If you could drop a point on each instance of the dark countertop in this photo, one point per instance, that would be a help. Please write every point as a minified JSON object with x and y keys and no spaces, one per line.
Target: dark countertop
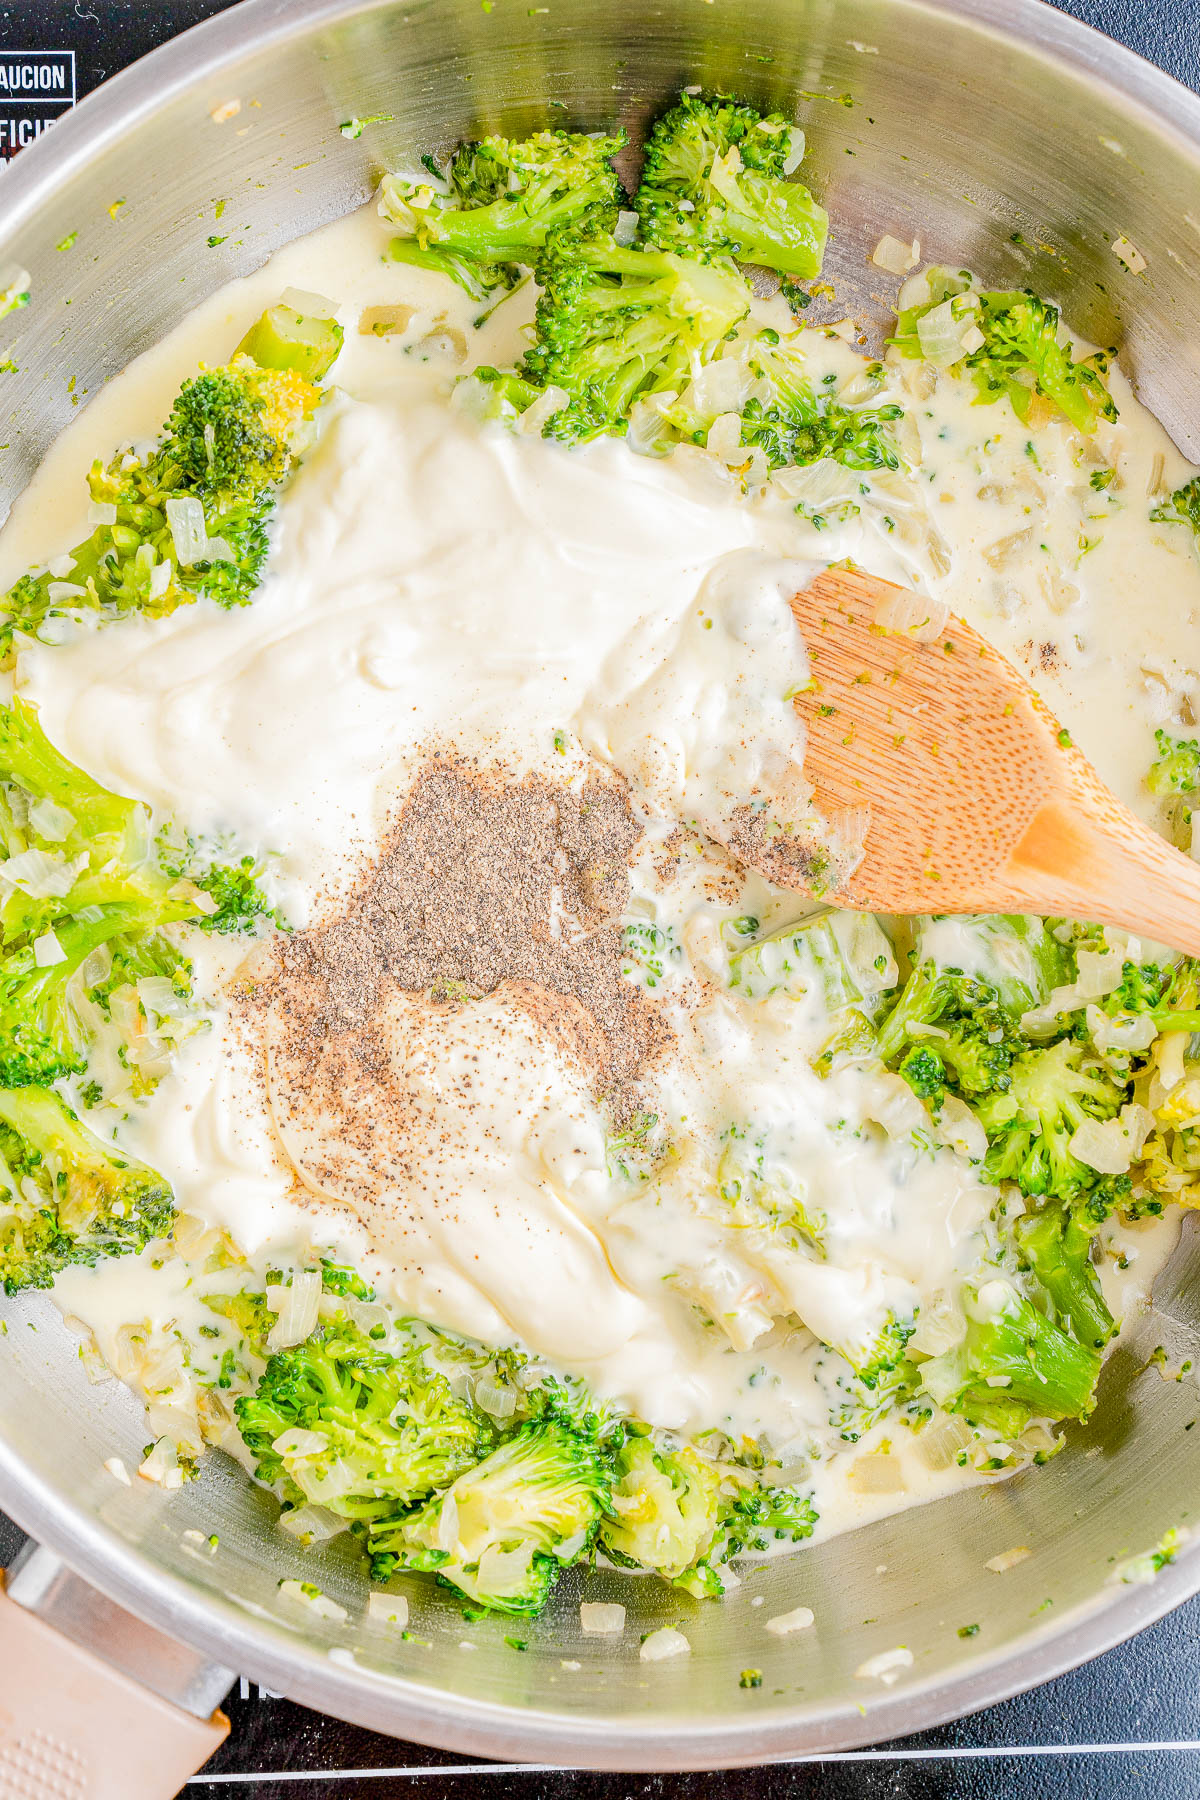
{"x":1125,"y":1727}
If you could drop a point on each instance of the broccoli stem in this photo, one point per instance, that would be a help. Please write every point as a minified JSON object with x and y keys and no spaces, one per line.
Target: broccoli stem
{"x":284,"y":338}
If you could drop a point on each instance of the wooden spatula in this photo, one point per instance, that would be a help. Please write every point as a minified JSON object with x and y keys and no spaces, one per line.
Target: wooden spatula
{"x":979,"y":801}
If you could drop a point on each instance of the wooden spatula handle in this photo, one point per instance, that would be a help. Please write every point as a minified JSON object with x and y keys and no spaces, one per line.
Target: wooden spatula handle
{"x":1098,"y":861}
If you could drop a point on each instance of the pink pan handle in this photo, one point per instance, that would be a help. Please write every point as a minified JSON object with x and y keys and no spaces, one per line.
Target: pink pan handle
{"x":74,"y":1728}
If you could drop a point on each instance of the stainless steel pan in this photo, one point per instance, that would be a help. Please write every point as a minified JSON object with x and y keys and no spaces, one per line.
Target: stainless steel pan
{"x":1001,"y":134}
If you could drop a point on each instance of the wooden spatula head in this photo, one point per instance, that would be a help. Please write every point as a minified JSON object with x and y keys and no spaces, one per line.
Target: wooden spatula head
{"x":978,"y":800}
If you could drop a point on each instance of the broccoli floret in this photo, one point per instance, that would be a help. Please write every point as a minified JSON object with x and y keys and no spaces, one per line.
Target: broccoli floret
{"x":502,"y":199}
{"x":616,"y":323}
{"x":802,"y":423}
{"x":40,"y":1038}
{"x":1009,"y":343}
{"x":70,"y":1198}
{"x":713,"y":184}
{"x":503,"y":1531}
{"x":1030,"y":1127}
{"x":346,"y":1283}
{"x":882,"y":1375}
{"x":667,"y":1509}
{"x":233,"y":888}
{"x":1183,"y":508}
{"x":249,"y":1314}
{"x":97,"y":841}
{"x":1014,"y":964}
{"x":241,"y":904}
{"x":346,"y":1424}
{"x":761,"y":1193}
{"x":843,"y":957}
{"x":94,"y":878}
{"x":30,"y":761}
{"x":762,"y":1516}
{"x":1176,"y":769}
{"x":190,"y":517}
{"x":883,"y":1364}
{"x":1056,"y":1244}
{"x":499,"y":393}
{"x":675,"y":1512}
{"x":973,"y":1058}
{"x":1039,"y":1369}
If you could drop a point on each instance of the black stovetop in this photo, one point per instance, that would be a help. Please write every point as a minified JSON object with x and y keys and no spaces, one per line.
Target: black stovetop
{"x":1126,"y":1727}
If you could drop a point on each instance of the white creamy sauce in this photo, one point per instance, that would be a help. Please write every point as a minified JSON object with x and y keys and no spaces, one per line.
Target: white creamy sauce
{"x":436,"y":582}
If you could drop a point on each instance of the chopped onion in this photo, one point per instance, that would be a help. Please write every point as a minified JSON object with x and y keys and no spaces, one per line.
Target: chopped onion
{"x":118,"y":1471}
{"x":1100,"y":971}
{"x":296,"y":1441}
{"x":799,"y":1619}
{"x":158,"y":995}
{"x":160,"y":578}
{"x":661,"y":1644}
{"x":102,"y":512}
{"x":942,"y":329}
{"x":721,"y":386}
{"x":446,"y":1536}
{"x":723,"y":176}
{"x":625,"y":229}
{"x":504,"y":1570}
{"x":911,"y":615}
{"x":1008,"y":1559}
{"x":1129,"y":254}
{"x":219,"y":549}
{"x":896,"y":256}
{"x":61,"y":567}
{"x":1127,"y":1032}
{"x":601,"y":1619}
{"x":548,"y":403}
{"x":312,"y":306}
{"x":47,"y":951}
{"x":499,"y":1402}
{"x":162,"y":1464}
{"x":368,"y":1315}
{"x":298,"y":1307}
{"x":59,"y":592}
{"x":302,"y":1593}
{"x":311,"y":1523}
{"x":54,"y":823}
{"x":958,"y":1127}
{"x":795,"y":150}
{"x":940,"y":1326}
{"x":725,"y":437}
{"x":387,"y":1609}
{"x":885,"y":1667}
{"x":189,"y":533}
{"x":326,"y":1485}
{"x":890,"y":1102}
{"x":878,"y":1473}
{"x":757,"y":470}
{"x":41,"y":874}
{"x":1110,"y":1145}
